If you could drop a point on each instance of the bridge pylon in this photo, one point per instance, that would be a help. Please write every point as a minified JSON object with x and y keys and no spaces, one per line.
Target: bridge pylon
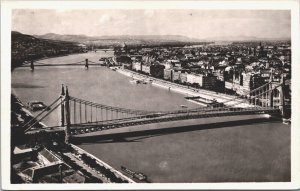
{"x":282,"y":100}
{"x":86,"y":65}
{"x":68,"y":121}
{"x":280,"y":87}
{"x":65,"y":113}
{"x":62,"y":106}
{"x":271,"y":93}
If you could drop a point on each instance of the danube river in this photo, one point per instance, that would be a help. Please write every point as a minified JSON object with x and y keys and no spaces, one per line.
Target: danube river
{"x":234,"y":149}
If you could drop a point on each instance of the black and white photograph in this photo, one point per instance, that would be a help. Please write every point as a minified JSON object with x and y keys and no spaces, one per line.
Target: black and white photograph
{"x":142,"y":94}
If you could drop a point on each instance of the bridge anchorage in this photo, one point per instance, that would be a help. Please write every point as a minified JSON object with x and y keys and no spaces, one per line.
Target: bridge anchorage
{"x":80,"y":116}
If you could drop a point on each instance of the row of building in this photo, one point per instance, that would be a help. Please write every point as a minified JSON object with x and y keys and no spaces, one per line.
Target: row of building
{"x":234,"y":68}
{"x":179,"y":75}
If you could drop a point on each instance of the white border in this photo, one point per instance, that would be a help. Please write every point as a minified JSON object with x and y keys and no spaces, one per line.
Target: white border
{"x":6,"y":8}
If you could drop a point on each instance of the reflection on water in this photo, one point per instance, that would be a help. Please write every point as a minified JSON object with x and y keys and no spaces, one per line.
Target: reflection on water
{"x":219,"y":152}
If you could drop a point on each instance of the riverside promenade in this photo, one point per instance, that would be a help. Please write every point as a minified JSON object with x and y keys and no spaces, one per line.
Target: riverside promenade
{"x":107,"y":166}
{"x":23,"y":113}
{"x":188,"y":91}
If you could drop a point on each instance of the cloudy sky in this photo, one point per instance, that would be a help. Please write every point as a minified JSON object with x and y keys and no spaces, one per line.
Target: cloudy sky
{"x":191,"y":23}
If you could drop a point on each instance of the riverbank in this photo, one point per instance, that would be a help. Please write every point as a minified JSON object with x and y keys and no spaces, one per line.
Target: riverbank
{"x":185,"y":90}
{"x":107,"y":166}
{"x":20,"y":116}
{"x":236,"y":150}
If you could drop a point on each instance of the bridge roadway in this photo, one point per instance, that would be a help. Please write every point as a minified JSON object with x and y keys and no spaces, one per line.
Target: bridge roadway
{"x":81,"y":129}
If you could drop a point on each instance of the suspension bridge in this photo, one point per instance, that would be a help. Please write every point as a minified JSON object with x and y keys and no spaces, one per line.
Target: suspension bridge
{"x":79,"y":116}
{"x":84,"y":63}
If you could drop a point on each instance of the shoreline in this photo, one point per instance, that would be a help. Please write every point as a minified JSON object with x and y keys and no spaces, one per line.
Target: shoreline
{"x":183,"y":89}
{"x":104,"y":163}
{"x":114,"y":170}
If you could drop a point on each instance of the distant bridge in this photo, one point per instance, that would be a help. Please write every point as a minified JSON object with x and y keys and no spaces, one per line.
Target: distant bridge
{"x":80,"y":116}
{"x":84,"y":63}
{"x":105,"y":50}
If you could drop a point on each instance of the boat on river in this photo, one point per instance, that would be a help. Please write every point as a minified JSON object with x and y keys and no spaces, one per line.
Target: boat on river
{"x":138,"y":175}
{"x":192,"y":97}
{"x":134,"y":81}
{"x":137,"y":81}
{"x":286,"y":121}
{"x":36,"y":105}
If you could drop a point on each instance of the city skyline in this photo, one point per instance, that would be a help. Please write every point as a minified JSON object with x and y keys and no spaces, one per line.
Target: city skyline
{"x":198,"y":24}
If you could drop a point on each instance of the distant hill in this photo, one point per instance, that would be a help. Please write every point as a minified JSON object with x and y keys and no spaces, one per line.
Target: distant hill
{"x":70,"y":38}
{"x":120,"y":39}
{"x":26,"y":47}
{"x":145,"y":39}
{"x":20,"y":36}
{"x":177,"y":38}
{"x":244,"y":38}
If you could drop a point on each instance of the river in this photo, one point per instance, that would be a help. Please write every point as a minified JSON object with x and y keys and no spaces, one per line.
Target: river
{"x":235,"y":149}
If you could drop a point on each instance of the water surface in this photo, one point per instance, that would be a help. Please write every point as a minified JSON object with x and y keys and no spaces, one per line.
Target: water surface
{"x":203,"y":150}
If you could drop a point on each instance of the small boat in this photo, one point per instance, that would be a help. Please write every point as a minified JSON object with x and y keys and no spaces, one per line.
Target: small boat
{"x":183,"y":106}
{"x":192,"y":97}
{"x":286,"y":121}
{"x":36,"y":105}
{"x":136,"y":81}
{"x":137,"y":175}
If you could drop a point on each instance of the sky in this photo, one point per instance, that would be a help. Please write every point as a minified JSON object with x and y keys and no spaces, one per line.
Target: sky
{"x":199,"y":24}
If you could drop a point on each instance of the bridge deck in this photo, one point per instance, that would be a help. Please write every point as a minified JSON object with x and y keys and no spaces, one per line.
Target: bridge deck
{"x":77,"y":129}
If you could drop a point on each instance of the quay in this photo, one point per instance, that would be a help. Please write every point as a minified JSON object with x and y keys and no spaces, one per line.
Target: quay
{"x":188,"y":91}
{"x":107,"y":166}
{"x":70,"y":158}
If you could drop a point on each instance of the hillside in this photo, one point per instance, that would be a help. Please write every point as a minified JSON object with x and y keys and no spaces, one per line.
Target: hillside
{"x":120,"y":39}
{"x":26,"y":47}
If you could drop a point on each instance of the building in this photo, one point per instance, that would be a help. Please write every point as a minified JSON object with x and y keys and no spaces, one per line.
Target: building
{"x":146,"y":68}
{"x":194,"y":78}
{"x":157,"y":70}
{"x":136,"y":58}
{"x":137,"y":66}
{"x":204,"y":81}
{"x":168,"y":74}
{"x":209,"y":82}
{"x":176,"y":76}
{"x":183,"y":78}
{"x":242,"y":84}
{"x":43,"y":166}
{"x":122,"y":59}
{"x":168,"y":65}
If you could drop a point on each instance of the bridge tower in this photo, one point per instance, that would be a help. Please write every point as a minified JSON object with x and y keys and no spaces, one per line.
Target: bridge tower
{"x":62,"y":106}
{"x":32,"y":65}
{"x":271,"y":93}
{"x":281,"y":90}
{"x":68,"y":121}
{"x":65,"y":112}
{"x":86,"y":64}
{"x":281,"y":93}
